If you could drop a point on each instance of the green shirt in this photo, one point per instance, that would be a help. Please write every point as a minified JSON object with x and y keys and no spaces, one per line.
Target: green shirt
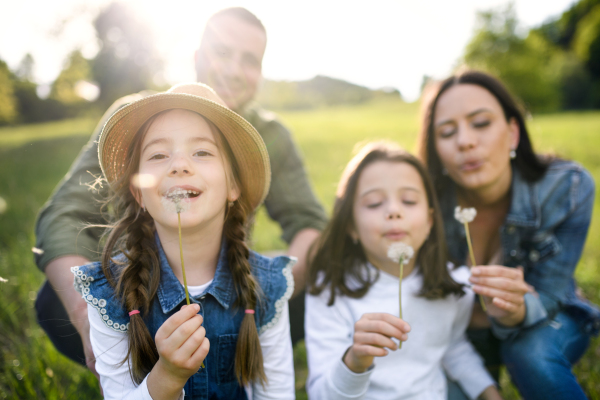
{"x":77,"y":200}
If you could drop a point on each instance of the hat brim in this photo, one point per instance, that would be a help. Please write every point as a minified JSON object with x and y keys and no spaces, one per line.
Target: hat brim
{"x":245,"y":142}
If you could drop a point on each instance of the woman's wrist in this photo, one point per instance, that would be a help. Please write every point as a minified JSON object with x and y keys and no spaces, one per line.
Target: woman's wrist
{"x":513,"y":319}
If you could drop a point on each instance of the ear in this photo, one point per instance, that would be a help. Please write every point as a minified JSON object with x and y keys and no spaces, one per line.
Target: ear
{"x":137,"y":195}
{"x":234,"y":192}
{"x":514,"y":131}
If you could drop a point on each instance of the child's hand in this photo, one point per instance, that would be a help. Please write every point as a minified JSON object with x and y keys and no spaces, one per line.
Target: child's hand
{"x":181,"y":343}
{"x":373,"y":332}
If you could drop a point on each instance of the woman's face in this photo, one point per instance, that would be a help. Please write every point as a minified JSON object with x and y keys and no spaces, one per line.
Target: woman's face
{"x":473,"y":138}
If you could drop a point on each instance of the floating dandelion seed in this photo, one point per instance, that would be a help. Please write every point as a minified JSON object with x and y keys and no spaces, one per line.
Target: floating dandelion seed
{"x":400,"y":253}
{"x":35,"y":250}
{"x":3,"y":205}
{"x":464,"y":216}
{"x":2,"y":280}
{"x":144,"y":181}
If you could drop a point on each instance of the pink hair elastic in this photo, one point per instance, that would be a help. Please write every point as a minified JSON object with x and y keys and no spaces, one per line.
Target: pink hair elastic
{"x":248,"y":311}
{"x":133,"y":312}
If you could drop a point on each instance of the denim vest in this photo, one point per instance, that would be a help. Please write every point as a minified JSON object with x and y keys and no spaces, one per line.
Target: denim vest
{"x":544,"y":231}
{"x":221,"y":319}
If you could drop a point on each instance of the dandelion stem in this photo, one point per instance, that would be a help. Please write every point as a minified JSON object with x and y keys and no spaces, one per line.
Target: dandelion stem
{"x":187,"y":295}
{"x":473,"y":263}
{"x":400,"y":292}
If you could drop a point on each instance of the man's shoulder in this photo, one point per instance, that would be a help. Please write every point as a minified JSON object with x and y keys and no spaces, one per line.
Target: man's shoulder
{"x":263,"y":120}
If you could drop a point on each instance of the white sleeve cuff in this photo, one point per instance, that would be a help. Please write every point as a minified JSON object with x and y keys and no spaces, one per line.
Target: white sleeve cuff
{"x":347,"y":383}
{"x":475,"y":382}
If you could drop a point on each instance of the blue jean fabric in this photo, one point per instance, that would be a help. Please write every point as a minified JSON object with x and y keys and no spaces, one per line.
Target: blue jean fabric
{"x":544,"y":232}
{"x":222,"y":315}
{"x":539,"y":360}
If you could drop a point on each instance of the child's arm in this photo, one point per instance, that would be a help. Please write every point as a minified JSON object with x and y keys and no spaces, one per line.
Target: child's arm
{"x":276,"y":346}
{"x":182,"y":347}
{"x":329,"y":334}
{"x":461,"y":361}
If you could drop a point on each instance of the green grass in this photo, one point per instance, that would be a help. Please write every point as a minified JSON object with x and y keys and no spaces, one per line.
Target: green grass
{"x":33,"y":158}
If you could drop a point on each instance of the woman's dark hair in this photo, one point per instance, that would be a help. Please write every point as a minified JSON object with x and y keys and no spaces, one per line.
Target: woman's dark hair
{"x":335,"y":257}
{"x":136,"y":278}
{"x":531,"y":166}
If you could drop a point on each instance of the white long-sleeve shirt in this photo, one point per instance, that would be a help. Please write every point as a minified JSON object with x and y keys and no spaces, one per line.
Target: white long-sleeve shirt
{"x":110,"y":347}
{"x":435,"y":343}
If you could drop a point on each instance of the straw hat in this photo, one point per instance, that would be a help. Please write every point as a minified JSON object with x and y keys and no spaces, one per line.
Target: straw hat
{"x":246,"y":144}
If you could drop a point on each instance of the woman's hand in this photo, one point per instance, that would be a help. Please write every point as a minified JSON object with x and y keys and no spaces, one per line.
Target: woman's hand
{"x":182,"y":346}
{"x":373,"y":332}
{"x":503,"y":290}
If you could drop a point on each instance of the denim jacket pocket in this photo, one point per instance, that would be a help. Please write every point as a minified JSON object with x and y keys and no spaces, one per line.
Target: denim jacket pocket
{"x":226,"y":359}
{"x":538,"y":251}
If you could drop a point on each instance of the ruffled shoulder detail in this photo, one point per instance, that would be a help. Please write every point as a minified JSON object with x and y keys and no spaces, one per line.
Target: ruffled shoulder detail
{"x":275,"y":278}
{"x":95,"y":289}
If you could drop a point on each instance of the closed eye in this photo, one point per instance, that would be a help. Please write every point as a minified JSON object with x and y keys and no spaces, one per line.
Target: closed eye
{"x":374,"y":205}
{"x":481,"y":124}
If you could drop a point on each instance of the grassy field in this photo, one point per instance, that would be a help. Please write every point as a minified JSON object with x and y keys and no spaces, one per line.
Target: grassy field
{"x":33,"y":158}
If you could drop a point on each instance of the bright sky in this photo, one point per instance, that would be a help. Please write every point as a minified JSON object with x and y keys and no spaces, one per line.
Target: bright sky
{"x":372,"y":43}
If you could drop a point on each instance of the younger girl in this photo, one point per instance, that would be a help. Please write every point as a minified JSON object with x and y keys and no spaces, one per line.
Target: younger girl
{"x":352,"y":304}
{"x":184,"y":167}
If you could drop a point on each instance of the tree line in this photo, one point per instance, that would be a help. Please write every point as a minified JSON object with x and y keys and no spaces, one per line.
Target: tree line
{"x":553,"y":67}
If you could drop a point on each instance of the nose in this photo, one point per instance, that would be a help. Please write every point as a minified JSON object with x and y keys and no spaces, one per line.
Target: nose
{"x":180,"y":166}
{"x":393,"y":211}
{"x":466,"y":137}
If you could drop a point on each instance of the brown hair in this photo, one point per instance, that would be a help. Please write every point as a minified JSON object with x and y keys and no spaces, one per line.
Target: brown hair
{"x":138,"y":274}
{"x":335,"y":255}
{"x":531,"y":166}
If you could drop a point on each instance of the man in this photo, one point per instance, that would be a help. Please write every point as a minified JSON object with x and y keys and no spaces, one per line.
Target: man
{"x":229,"y":59}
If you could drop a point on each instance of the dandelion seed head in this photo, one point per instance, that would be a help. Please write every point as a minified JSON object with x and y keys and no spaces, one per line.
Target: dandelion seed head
{"x":398,"y":251}
{"x":143,"y":181}
{"x":37,"y":251}
{"x":464,"y":215}
{"x":173,"y":201}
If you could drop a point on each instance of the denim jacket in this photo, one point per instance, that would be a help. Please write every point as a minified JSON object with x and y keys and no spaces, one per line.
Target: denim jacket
{"x":221,"y":319}
{"x":544,"y":231}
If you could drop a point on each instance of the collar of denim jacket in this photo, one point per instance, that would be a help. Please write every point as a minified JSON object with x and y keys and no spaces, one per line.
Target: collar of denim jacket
{"x":525,"y":210}
{"x":170,"y":290}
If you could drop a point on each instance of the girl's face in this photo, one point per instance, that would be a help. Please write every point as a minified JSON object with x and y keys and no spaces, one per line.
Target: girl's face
{"x":390,"y":205}
{"x":179,"y":154}
{"x":473,"y":138}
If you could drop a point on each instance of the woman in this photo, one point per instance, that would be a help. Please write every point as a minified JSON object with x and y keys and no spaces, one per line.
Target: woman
{"x":533,"y":214}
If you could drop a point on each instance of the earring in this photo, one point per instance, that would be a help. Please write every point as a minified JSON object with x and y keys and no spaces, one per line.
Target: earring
{"x":230,"y":204}
{"x":144,"y":208}
{"x":513,"y":154}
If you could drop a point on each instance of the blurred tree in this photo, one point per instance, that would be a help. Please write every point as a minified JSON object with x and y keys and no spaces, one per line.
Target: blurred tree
{"x":586,"y":44}
{"x":76,"y":70}
{"x":25,"y":69}
{"x":529,"y":66}
{"x":562,"y":30}
{"x":8,"y":101}
{"x":127,"y":60}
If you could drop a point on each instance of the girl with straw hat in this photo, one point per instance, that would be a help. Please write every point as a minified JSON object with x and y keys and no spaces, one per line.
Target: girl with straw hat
{"x":186,"y":172}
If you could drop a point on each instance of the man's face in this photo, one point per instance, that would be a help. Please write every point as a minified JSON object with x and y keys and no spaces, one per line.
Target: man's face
{"x":230,"y":59}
